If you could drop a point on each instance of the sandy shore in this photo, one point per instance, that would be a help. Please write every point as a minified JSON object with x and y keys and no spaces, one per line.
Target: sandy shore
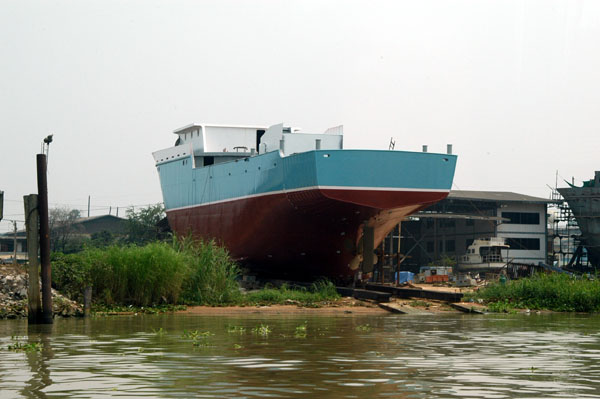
{"x":282,"y":310}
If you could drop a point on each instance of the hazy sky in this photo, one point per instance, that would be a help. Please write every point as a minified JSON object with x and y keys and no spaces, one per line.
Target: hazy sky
{"x":513,"y":85}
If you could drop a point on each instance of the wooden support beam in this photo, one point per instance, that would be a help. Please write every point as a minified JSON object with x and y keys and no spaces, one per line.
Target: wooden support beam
{"x":34,"y":307}
{"x":368,"y":249}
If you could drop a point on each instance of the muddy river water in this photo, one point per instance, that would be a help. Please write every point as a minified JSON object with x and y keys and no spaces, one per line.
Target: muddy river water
{"x":350,"y":356}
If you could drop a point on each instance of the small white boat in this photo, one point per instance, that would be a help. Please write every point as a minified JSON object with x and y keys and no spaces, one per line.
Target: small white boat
{"x":483,"y":255}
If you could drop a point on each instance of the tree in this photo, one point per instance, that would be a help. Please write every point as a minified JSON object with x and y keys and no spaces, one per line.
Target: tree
{"x":143,"y":225}
{"x":65,"y":233}
{"x":102,"y":239}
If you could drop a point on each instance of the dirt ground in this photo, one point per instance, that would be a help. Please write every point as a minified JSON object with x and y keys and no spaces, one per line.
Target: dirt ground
{"x":282,"y":310}
{"x":343,"y":306}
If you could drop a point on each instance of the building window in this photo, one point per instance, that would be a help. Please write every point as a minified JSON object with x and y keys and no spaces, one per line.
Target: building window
{"x":450,"y":246}
{"x":447,"y":223}
{"x":470,"y":222}
{"x":524,"y":243}
{"x":7,"y":246}
{"x":521,"y":217}
{"x":429,"y":246}
{"x":429,"y":223}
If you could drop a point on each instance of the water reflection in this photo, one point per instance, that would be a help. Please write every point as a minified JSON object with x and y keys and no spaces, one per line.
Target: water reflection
{"x":38,"y":361}
{"x":436,"y":356}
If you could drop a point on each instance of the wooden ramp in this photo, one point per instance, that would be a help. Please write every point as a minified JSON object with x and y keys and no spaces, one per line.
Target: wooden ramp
{"x":469,"y":307}
{"x":401,"y":309}
{"x":378,"y":296}
{"x":401,"y":292}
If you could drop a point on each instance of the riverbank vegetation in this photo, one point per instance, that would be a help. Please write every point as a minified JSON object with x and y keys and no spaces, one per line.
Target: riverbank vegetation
{"x":180,"y":272}
{"x":319,"y":292}
{"x":556,"y":292}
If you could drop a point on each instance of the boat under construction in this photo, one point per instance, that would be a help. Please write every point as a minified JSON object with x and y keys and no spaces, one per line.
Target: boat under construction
{"x":294,"y":203}
{"x":584,"y":202}
{"x":484,"y":255}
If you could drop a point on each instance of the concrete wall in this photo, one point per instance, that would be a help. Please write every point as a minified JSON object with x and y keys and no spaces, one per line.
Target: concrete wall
{"x":528,"y":231}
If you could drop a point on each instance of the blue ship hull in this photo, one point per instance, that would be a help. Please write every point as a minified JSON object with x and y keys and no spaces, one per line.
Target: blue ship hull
{"x":303,"y":213}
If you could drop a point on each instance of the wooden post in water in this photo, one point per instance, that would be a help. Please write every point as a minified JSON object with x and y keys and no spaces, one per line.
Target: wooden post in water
{"x":34,"y":308}
{"x":87,"y":301}
{"x":44,"y":239}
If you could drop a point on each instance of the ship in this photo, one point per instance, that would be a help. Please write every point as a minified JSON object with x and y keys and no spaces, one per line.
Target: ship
{"x":290,"y":203}
{"x":584,"y":202}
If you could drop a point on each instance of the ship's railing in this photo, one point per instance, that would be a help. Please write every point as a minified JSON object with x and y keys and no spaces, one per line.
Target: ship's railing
{"x":172,"y":153}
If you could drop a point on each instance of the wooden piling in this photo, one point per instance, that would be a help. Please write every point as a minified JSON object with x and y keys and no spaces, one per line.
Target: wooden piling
{"x":87,"y":301}
{"x":34,"y":310}
{"x":44,"y":239}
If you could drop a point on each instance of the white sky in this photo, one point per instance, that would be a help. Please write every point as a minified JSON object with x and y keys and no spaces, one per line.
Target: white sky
{"x":513,"y":85}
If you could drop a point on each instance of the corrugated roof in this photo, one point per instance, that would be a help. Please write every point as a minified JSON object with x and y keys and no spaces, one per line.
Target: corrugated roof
{"x":498,"y":196}
{"x":87,"y":219}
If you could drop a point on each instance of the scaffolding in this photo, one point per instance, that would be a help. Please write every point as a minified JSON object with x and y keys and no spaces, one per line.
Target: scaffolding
{"x":567,"y":249}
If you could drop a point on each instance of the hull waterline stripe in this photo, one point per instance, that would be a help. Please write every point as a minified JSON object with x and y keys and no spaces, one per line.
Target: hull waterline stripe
{"x":423,"y":190}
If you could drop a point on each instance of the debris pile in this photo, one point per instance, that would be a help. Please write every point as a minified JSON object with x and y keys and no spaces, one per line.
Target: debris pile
{"x":13,"y":296}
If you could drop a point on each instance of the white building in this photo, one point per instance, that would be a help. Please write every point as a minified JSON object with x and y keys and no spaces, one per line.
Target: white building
{"x":447,"y":228}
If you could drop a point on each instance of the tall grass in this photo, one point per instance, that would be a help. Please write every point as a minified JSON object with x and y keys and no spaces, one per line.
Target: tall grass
{"x":183,"y":271}
{"x":134,"y":275}
{"x":558,"y":292}
{"x":178,"y":272}
{"x":211,"y":278}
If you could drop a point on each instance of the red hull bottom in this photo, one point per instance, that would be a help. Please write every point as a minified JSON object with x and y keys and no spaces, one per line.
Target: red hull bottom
{"x":303,"y":234}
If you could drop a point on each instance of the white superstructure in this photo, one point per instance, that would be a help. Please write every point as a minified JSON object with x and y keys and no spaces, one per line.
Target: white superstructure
{"x":223,"y":143}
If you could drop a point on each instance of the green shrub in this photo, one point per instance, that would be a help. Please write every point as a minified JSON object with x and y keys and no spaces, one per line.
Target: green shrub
{"x":558,"y":292}
{"x":318,"y":292}
{"x":70,"y":275}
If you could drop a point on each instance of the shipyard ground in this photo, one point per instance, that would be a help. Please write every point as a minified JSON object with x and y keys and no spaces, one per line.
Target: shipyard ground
{"x":342,"y":306}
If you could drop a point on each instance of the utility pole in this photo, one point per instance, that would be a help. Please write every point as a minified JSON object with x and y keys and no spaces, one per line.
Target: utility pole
{"x":89,"y":199}
{"x":42,"y":180}
{"x":15,"y":242}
